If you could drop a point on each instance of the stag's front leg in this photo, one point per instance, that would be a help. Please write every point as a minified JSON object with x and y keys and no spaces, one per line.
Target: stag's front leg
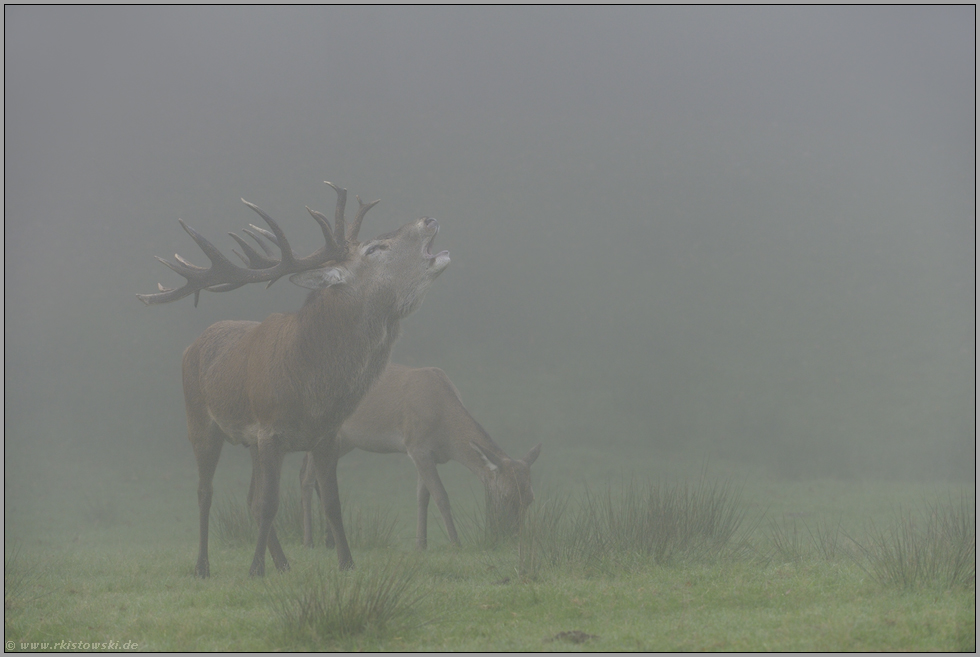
{"x":275,"y":548}
{"x":266,"y":498}
{"x":207,"y":445}
{"x":325,"y":456}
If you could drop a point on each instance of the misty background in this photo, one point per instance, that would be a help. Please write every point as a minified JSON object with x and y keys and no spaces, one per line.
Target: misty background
{"x":733,"y":233}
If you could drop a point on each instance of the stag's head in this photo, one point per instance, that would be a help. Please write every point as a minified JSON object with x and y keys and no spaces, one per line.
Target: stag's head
{"x":508,"y":488}
{"x":399,"y":264}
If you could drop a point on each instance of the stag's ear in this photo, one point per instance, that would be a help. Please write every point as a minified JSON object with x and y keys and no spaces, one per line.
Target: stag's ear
{"x":315,"y":279}
{"x":489,"y":461}
{"x":532,"y":455}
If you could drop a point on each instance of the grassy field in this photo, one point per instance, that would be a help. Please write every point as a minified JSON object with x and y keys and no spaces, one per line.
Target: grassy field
{"x":684,"y":557}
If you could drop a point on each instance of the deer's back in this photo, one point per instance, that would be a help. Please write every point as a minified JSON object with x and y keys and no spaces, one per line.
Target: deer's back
{"x":410,"y":409}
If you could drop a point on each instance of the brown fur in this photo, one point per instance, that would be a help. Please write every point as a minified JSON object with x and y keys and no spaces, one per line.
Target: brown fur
{"x":419,"y":412}
{"x":288,"y":383}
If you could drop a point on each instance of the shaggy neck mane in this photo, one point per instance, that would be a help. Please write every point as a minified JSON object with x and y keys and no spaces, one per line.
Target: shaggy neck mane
{"x":343,"y":345}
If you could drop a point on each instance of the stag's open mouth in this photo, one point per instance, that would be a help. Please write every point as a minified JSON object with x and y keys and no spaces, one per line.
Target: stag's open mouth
{"x":440,"y":259}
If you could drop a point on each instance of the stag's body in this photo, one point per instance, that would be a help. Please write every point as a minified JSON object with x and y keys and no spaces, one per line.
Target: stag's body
{"x":288,"y":383}
{"x":419,"y":412}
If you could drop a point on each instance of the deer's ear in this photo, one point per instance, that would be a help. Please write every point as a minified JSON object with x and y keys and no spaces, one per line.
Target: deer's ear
{"x":315,"y":279}
{"x":532,"y":455}
{"x":487,"y":460}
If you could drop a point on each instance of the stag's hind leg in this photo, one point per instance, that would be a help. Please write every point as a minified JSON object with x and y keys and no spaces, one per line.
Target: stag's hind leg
{"x":275,"y":548}
{"x":325,"y":456}
{"x":207,"y":443}
{"x":267,"y":468}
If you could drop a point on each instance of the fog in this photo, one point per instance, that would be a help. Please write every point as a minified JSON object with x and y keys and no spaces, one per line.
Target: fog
{"x":741,"y":234}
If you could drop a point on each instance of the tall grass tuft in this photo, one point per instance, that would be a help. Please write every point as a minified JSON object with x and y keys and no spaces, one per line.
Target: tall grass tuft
{"x":665,"y":522}
{"x":335,"y":604}
{"x":795,"y":545}
{"x":937,"y":550}
{"x":658,"y":523}
{"x":232,"y":523}
{"x":234,"y":526}
{"x":369,"y":529}
{"x":787,"y":544}
{"x":19,"y":577}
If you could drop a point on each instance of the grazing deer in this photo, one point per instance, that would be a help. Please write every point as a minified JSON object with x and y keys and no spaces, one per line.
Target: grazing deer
{"x":288,"y":383}
{"x":419,"y":412}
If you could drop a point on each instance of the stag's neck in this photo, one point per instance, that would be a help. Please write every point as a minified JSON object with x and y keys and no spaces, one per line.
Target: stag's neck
{"x":343,"y":345}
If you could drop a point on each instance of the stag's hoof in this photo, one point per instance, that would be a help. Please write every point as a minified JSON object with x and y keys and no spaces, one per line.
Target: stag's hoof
{"x":203,"y":570}
{"x":282,"y":567}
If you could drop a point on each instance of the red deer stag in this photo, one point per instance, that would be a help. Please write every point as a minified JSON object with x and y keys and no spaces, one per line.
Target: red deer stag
{"x":419,"y":412}
{"x":288,"y":383}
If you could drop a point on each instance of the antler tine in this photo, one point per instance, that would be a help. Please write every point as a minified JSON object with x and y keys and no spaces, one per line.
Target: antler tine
{"x":286,"y":252}
{"x":340,"y":231}
{"x":193,"y":273}
{"x":257,"y":234}
{"x":362,"y":210}
{"x":223,"y":275}
{"x":198,"y":278}
{"x":328,"y":238}
{"x":253,"y":259}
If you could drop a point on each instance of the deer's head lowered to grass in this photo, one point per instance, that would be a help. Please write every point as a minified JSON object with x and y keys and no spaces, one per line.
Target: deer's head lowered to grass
{"x":288,"y":383}
{"x":507,"y":483}
{"x":419,"y":412}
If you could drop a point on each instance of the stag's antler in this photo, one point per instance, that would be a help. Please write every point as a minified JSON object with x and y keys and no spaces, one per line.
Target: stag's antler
{"x":223,"y":276}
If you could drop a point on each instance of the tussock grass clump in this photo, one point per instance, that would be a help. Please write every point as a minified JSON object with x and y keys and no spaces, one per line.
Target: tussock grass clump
{"x":794,"y":545}
{"x":232,"y":523}
{"x":657,"y":523}
{"x":234,"y":526}
{"x":663,"y":522}
{"x":19,"y":577}
{"x":369,"y":529}
{"x":335,"y":604}
{"x":937,"y":550}
{"x":289,"y":518}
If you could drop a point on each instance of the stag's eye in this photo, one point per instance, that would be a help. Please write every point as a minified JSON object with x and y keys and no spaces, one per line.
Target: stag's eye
{"x":375,"y":247}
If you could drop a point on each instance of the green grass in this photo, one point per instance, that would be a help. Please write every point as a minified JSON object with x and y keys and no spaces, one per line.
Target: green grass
{"x":677,"y":560}
{"x":937,"y":548}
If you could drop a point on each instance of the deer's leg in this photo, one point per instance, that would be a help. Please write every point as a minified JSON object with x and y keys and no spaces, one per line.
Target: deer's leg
{"x":265,"y":500}
{"x":421,"y":531}
{"x":207,"y":445}
{"x":307,"y":484}
{"x":430,"y":478}
{"x":325,"y":456}
{"x":275,"y":548}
